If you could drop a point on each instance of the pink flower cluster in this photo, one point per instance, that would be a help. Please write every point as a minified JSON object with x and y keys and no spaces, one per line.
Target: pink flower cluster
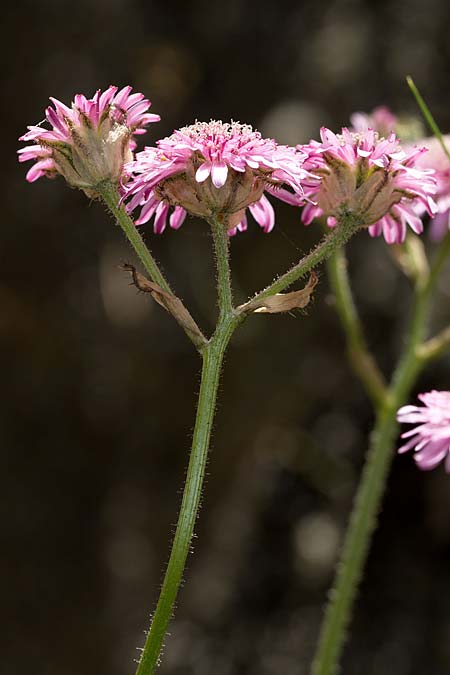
{"x":221,"y":170}
{"x":370,"y":177}
{"x":91,"y":140}
{"x":431,"y":438}
{"x":215,"y":169}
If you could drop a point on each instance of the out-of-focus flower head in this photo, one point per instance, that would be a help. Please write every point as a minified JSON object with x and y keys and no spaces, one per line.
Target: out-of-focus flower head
{"x":430,"y":439}
{"x":381,"y":119}
{"x":370,"y":177}
{"x":410,"y":131}
{"x":215,"y":169}
{"x":436,"y":159}
{"x":90,"y":141}
{"x":408,"y":128}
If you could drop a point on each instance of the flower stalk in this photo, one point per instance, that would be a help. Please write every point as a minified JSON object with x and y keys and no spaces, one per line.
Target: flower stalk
{"x":212,"y":355}
{"x":222,"y":253}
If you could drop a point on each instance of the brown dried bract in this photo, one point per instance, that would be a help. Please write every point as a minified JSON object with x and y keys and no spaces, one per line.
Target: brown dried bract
{"x":283,"y":302}
{"x":171,"y":304}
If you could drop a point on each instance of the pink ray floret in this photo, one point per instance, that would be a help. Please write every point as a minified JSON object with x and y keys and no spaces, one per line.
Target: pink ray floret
{"x":430,"y":439}
{"x":372,"y":178}
{"x":100,"y":128}
{"x":215,"y":169}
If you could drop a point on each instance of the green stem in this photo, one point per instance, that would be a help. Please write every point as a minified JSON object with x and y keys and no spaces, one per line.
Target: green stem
{"x":111,"y":197}
{"x":222,"y":253}
{"x":213,"y":355}
{"x":370,"y":492}
{"x":360,"y":356}
{"x":354,"y":553}
{"x":436,"y":346}
{"x":338,"y":236}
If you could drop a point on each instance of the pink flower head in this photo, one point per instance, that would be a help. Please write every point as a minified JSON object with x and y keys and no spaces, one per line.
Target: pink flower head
{"x":214,"y":169}
{"x":89,"y":142}
{"x":381,"y":119}
{"x":436,"y":159}
{"x":431,"y":438}
{"x":371,"y":178}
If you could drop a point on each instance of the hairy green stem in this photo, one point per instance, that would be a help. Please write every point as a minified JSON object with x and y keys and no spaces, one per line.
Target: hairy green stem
{"x":370,"y":492}
{"x":360,"y":357}
{"x":213,"y":355}
{"x":222,"y":252}
{"x":110,"y":195}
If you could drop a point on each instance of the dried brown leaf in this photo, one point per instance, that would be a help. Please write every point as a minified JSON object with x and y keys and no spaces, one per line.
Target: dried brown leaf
{"x":171,"y":304}
{"x":285,"y":302}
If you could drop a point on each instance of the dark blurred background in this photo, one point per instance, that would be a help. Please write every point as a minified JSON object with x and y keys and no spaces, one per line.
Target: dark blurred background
{"x":99,"y":384}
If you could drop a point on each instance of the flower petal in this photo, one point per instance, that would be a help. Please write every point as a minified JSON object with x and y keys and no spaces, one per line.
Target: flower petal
{"x":219,"y":173}
{"x":262,"y":211}
{"x":203,"y":172}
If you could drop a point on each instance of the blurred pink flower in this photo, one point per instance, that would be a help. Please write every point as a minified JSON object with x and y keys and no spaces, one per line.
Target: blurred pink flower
{"x":370,"y":177}
{"x":381,"y":119}
{"x":90,"y":141}
{"x":215,"y":169}
{"x":431,"y":438}
{"x":436,"y":159}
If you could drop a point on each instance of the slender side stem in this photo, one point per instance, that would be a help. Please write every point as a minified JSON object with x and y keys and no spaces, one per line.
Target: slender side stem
{"x":436,"y":346}
{"x":361,"y":358}
{"x":213,"y":355}
{"x":111,"y":197}
{"x":339,"y":236}
{"x":370,"y":492}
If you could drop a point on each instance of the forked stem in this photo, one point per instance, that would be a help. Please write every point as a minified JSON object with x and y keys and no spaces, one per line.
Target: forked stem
{"x":212,"y":355}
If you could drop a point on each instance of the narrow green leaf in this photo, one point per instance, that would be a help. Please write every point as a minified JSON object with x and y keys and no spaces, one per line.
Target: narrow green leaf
{"x":427,"y":114}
